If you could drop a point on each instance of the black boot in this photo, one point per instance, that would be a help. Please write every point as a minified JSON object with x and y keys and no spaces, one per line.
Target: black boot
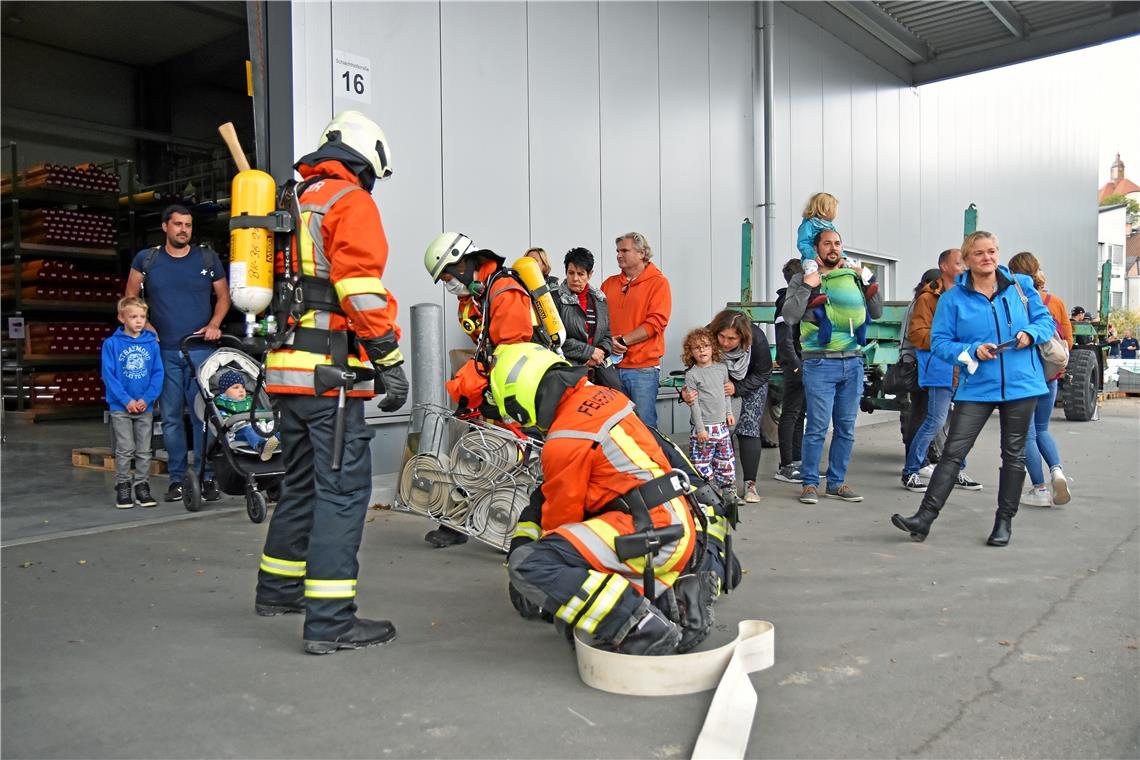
{"x":273,"y":609}
{"x":695,"y":594}
{"x":917,"y":525}
{"x":653,"y":634}
{"x":443,"y":537}
{"x":1003,"y":529}
{"x":363,"y":633}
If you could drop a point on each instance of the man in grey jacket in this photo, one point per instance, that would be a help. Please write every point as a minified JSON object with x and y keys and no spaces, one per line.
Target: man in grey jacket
{"x":832,"y":307}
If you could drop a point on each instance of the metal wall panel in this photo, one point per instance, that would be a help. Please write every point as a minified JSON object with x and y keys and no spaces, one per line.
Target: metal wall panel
{"x":565,"y":139}
{"x":631,"y":164}
{"x":684,"y":249}
{"x":485,"y":123}
{"x":732,"y":156}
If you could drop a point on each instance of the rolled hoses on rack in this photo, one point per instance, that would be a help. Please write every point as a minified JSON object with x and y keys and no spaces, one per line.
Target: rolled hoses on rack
{"x":493,"y":513}
{"x":426,"y":484}
{"x":479,"y":458}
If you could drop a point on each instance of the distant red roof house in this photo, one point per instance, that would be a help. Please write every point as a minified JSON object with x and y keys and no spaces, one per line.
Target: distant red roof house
{"x":1117,"y":183}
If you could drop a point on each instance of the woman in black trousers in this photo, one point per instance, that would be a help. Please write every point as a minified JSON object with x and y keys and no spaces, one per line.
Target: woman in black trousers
{"x":988,"y":326}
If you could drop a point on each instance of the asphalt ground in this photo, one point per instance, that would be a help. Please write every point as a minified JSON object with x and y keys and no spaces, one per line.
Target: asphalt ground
{"x":132,"y":634}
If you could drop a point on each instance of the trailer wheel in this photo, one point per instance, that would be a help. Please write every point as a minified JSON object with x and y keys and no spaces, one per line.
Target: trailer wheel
{"x":1081,"y":386}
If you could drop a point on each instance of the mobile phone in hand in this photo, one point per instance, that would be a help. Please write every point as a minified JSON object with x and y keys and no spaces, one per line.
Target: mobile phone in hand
{"x":1007,"y":345}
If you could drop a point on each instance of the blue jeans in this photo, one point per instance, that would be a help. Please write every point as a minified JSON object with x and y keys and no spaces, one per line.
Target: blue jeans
{"x":1039,"y":443}
{"x":832,"y":389}
{"x":641,"y":387}
{"x":937,"y":409}
{"x":179,"y":389}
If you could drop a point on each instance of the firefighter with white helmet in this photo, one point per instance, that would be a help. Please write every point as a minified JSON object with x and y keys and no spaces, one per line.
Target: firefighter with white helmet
{"x":343,"y":348}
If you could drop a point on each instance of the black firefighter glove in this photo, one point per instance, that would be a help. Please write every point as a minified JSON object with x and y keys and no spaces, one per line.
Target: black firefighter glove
{"x":387,"y":359}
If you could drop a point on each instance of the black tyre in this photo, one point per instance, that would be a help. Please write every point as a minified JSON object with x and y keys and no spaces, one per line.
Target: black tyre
{"x":191,"y":491}
{"x":1081,"y":386}
{"x":256,"y":506}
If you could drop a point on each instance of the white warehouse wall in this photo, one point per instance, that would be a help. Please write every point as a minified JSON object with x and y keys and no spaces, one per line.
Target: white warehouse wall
{"x":552,"y":124}
{"x":568,"y":123}
{"x":1019,"y":142}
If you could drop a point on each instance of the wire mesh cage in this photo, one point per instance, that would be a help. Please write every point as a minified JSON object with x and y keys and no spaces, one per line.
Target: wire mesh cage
{"x":467,"y":474}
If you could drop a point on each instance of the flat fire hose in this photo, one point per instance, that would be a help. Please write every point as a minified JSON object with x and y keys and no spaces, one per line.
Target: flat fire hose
{"x":728,"y":721}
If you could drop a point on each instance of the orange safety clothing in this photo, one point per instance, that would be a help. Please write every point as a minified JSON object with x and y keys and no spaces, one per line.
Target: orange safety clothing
{"x":597,"y":450}
{"x":511,"y":320}
{"x":339,"y":238}
{"x":645,"y":301}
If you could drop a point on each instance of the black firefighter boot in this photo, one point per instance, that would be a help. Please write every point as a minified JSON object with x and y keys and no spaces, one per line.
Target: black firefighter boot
{"x":363,"y":633}
{"x":917,"y":525}
{"x":652,"y":634}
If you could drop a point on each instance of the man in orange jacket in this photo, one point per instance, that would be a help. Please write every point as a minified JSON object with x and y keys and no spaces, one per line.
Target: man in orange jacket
{"x":494,"y":310}
{"x":345,"y":336}
{"x":640,"y":305}
{"x":609,"y":500}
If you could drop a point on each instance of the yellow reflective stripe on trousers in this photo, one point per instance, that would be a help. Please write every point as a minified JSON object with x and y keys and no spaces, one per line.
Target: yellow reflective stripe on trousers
{"x":287,"y":567}
{"x":569,"y":611}
{"x":603,"y":605}
{"x":530,"y":530}
{"x":339,"y":589}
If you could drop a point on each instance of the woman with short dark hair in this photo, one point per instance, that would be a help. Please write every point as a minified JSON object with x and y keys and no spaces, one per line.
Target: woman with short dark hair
{"x":586,"y":317}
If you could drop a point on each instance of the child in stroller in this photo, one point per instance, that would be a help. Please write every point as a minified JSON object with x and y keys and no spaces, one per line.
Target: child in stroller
{"x":233,"y":398}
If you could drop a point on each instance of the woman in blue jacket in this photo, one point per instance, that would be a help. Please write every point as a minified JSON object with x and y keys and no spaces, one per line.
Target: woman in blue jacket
{"x":982,"y":327}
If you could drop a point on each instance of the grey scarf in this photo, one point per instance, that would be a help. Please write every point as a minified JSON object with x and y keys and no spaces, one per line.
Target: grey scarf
{"x":737,"y":360}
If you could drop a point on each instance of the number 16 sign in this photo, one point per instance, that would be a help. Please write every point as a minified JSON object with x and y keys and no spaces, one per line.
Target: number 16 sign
{"x":352,"y":76}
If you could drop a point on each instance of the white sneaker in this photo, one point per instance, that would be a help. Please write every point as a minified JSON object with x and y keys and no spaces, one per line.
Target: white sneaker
{"x":268,"y":448}
{"x":1061,"y":493}
{"x":1037,"y":497}
{"x":926,"y":471}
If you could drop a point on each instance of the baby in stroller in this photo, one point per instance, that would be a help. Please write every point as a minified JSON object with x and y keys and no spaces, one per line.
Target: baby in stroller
{"x":232,"y":398}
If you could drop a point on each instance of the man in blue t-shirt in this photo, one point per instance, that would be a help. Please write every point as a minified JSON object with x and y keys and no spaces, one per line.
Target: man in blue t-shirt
{"x":177,"y":280}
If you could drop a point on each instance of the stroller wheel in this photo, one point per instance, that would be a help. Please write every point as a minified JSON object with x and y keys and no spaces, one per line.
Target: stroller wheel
{"x":255,"y":506}
{"x":191,"y":491}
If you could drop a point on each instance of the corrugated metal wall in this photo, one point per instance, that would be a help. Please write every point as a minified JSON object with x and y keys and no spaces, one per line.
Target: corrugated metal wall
{"x":568,"y":123}
{"x":1019,"y":142}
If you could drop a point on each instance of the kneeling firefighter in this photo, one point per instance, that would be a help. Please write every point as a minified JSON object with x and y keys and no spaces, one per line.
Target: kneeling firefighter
{"x":496,"y":308}
{"x":619,"y":547}
{"x":341,"y":339}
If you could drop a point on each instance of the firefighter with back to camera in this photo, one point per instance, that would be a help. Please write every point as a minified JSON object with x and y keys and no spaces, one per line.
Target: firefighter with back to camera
{"x":344,"y":343}
{"x":609,"y":501}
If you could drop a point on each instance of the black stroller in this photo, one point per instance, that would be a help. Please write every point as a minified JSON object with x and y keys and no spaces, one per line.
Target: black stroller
{"x":238,"y":468}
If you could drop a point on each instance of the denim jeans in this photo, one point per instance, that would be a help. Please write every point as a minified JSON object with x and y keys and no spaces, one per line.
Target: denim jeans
{"x":179,"y":389}
{"x":937,"y":409}
{"x":641,"y":387}
{"x":132,"y":442}
{"x":832,"y":389}
{"x":1039,"y":443}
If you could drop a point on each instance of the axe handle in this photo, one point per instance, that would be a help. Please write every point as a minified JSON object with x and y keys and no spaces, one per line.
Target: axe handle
{"x":229,"y":134}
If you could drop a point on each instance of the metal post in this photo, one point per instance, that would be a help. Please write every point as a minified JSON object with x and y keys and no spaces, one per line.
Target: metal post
{"x":428,"y":377}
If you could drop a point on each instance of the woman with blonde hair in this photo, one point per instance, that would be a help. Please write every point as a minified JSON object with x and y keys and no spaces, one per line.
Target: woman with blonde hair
{"x":543,"y":259}
{"x":1040,"y":443}
{"x":982,"y":327}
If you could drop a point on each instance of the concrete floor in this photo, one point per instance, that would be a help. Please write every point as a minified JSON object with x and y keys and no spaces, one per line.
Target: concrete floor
{"x":131,"y":633}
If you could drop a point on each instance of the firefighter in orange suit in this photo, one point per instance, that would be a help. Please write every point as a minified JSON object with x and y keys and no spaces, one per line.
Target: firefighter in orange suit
{"x":608,"y":491}
{"x":345,"y":345}
{"x":495,"y":309}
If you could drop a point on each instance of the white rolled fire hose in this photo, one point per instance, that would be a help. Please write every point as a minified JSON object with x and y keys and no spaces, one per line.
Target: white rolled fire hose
{"x":728,"y":722}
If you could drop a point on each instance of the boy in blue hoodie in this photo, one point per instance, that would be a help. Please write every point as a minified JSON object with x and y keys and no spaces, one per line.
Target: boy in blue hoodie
{"x":132,"y":376}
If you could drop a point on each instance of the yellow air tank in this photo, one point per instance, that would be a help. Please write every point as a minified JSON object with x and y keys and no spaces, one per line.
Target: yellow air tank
{"x":531,"y":275}
{"x":254,"y":193}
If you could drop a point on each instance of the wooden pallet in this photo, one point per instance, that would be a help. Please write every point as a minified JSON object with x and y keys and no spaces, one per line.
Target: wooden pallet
{"x":102,"y":458}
